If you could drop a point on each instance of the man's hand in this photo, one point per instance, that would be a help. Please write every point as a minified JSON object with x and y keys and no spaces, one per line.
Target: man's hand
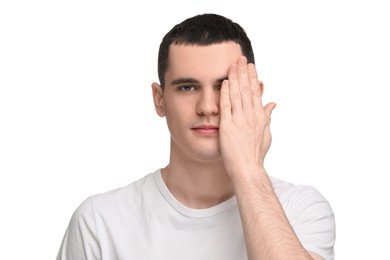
{"x":245,"y":138}
{"x":244,"y":129}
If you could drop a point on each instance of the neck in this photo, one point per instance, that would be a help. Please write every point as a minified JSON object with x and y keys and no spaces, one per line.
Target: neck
{"x":196,"y":183}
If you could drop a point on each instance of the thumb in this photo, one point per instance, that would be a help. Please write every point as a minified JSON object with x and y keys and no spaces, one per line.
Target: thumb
{"x":268,"y":109}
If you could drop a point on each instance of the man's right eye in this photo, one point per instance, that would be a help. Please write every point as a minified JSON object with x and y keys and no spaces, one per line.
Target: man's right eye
{"x":186,"y":88}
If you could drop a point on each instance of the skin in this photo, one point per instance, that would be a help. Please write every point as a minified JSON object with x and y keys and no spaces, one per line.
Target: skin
{"x":220,"y":135}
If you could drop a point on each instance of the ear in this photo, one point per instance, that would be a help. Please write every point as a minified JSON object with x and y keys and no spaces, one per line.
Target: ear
{"x":261,"y":86}
{"x":158,"y":94}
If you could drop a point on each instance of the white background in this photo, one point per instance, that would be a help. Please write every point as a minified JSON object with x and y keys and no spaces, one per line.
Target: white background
{"x":77,"y":118}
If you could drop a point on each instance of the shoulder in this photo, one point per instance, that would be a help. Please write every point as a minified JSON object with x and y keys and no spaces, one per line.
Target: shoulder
{"x":303,"y":203}
{"x":310,"y":215}
{"x":121,"y":197}
{"x":114,"y":199}
{"x":293,"y":196}
{"x":105,"y":206}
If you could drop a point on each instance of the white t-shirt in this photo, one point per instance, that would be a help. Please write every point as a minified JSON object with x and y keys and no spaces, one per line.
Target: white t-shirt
{"x":144,"y":221}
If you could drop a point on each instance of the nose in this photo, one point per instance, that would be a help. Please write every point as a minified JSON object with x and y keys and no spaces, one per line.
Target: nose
{"x":208,"y":102}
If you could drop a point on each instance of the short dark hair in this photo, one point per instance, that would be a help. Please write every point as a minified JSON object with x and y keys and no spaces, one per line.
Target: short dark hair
{"x":203,"y":29}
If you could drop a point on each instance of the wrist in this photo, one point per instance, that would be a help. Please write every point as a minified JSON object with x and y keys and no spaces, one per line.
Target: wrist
{"x":250,"y":176}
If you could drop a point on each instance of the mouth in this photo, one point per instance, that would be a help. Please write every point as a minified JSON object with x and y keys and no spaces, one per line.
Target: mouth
{"x":206,"y":130}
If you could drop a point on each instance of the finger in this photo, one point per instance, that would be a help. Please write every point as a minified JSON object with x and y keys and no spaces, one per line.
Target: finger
{"x":256,"y":86}
{"x":267,"y":137}
{"x":244,"y":84}
{"x":268,"y":111}
{"x":225,"y":105}
{"x":234,"y":90}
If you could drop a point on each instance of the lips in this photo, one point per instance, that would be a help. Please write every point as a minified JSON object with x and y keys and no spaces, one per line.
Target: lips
{"x":206,"y":130}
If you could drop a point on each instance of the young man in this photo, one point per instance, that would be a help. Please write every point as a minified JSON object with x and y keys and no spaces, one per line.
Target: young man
{"x":214,"y":200}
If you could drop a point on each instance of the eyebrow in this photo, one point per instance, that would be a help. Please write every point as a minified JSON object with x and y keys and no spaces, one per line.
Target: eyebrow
{"x":193,"y":81}
{"x":184,"y":81}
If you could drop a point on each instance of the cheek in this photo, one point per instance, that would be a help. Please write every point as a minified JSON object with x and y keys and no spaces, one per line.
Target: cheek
{"x":179,"y":107}
{"x":178,"y":113}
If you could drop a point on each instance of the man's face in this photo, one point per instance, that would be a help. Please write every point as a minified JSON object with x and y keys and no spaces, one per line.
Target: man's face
{"x":190,"y":100}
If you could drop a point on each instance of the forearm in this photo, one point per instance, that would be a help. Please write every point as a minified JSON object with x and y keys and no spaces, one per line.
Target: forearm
{"x":268,"y":234}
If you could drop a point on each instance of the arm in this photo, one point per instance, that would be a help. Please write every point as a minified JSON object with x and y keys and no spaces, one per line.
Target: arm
{"x":245,"y":139}
{"x":268,"y":233}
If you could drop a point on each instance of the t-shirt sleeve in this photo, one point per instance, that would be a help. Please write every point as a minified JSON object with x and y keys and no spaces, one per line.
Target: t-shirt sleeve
{"x":312,"y":219}
{"x":80,"y":241}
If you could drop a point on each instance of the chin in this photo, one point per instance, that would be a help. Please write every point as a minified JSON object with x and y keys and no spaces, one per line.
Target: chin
{"x":208,"y":155}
